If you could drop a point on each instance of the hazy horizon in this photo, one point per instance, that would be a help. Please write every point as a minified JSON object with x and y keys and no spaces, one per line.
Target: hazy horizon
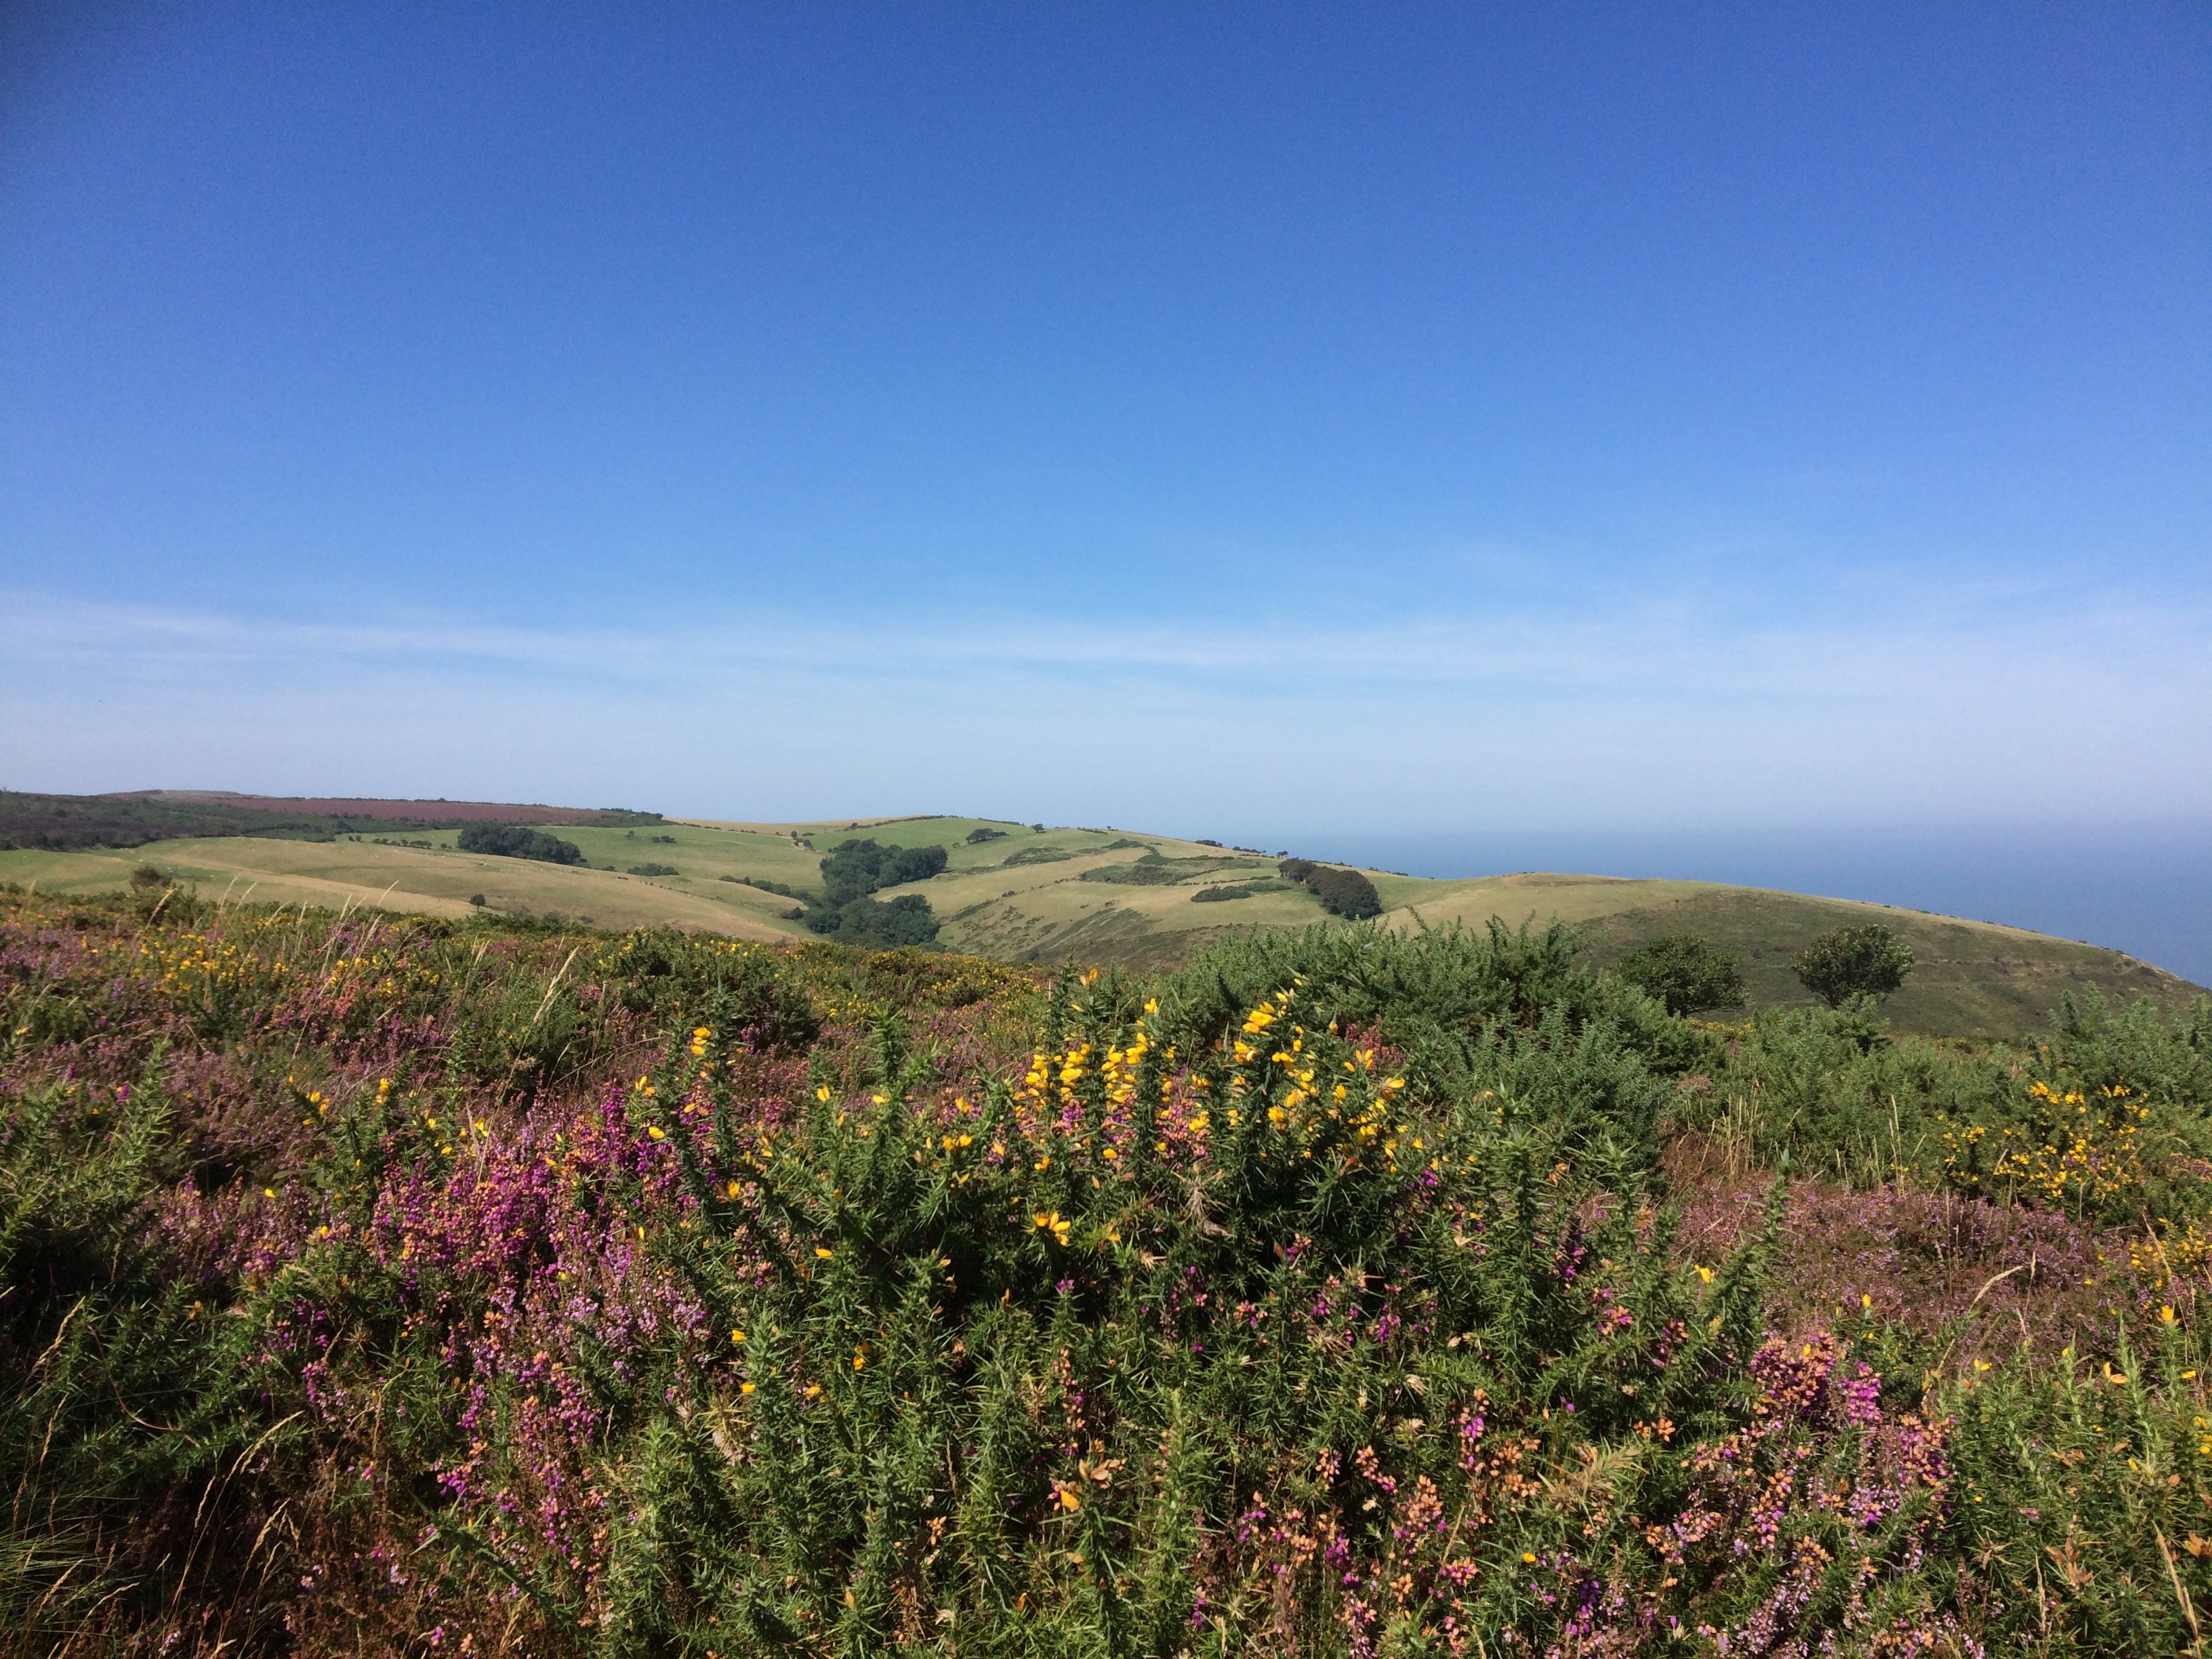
{"x":2144,"y":889}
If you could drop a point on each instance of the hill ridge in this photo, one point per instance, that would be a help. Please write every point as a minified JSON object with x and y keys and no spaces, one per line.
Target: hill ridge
{"x":1025,"y":894}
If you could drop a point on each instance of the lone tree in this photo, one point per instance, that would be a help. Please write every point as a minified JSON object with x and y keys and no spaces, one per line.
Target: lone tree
{"x":1685,"y":972}
{"x":1868,"y":961}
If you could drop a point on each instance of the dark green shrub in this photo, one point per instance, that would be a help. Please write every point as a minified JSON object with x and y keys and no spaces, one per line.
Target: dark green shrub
{"x":886,"y":924}
{"x":1220,"y":895}
{"x":913,"y":863}
{"x":982,"y":833}
{"x":855,"y":869}
{"x":1867,"y":961}
{"x":115,"y":1394}
{"x":654,"y":869}
{"x":679,"y":980}
{"x":1685,"y":972}
{"x":518,"y":842}
{"x":1344,"y":893}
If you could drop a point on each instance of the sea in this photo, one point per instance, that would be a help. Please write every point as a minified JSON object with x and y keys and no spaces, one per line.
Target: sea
{"x":2146,"y":892}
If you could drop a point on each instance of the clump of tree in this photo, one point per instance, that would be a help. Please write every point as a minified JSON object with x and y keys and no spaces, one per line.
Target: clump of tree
{"x":1222,"y":895}
{"x":1684,"y":972}
{"x":884,"y":924}
{"x":855,"y":869}
{"x":1342,"y":892}
{"x":982,"y":833}
{"x":654,"y":870}
{"x":516,"y":841}
{"x":1867,"y":961}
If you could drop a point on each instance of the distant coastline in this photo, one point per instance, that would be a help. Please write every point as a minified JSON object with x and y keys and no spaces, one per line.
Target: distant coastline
{"x":2147,"y":891}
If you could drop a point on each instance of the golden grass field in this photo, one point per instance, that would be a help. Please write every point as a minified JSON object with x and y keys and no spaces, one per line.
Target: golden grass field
{"x":1972,"y":978}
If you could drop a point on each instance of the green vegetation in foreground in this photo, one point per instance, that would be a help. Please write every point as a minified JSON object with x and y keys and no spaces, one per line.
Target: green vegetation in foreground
{"x":1104,"y":896}
{"x":379,"y":1283}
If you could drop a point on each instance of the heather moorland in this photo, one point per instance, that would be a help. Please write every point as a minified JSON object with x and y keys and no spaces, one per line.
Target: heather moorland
{"x":384,"y":1283}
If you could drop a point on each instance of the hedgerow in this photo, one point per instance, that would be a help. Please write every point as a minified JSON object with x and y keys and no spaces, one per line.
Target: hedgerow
{"x":387,"y":1284}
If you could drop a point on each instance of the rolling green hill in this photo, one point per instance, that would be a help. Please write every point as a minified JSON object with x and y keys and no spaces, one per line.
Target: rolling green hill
{"x":1100,"y":895}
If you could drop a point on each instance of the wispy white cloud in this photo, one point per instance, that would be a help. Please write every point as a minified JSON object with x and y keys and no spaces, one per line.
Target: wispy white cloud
{"x":1655,"y":705}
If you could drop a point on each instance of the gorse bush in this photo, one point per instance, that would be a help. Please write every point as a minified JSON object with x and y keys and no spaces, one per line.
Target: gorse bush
{"x":2104,"y":1120}
{"x":385,"y":1284}
{"x":1685,"y":972}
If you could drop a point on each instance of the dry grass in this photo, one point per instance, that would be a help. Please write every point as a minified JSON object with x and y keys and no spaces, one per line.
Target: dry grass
{"x":1974,"y":979}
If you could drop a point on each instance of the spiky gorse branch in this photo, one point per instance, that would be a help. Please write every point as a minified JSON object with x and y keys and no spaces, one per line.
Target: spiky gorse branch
{"x":661,"y":1295}
{"x":935,"y":1344}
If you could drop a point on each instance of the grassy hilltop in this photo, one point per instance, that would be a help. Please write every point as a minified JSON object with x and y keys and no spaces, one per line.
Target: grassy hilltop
{"x":1095,"y":895}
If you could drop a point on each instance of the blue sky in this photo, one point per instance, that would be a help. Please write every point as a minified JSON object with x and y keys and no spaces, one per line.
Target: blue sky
{"x":1428,"y":419}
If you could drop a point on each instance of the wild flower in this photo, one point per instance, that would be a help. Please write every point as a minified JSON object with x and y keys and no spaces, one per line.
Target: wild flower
{"x":591,"y":1293}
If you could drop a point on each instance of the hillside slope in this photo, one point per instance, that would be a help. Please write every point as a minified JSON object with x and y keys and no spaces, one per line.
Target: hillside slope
{"x":136,"y":817}
{"x":1099,"y":895}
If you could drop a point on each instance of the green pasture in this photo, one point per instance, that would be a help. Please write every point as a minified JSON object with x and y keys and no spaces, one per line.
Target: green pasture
{"x":1969,"y":978}
{"x":1108,"y":896}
